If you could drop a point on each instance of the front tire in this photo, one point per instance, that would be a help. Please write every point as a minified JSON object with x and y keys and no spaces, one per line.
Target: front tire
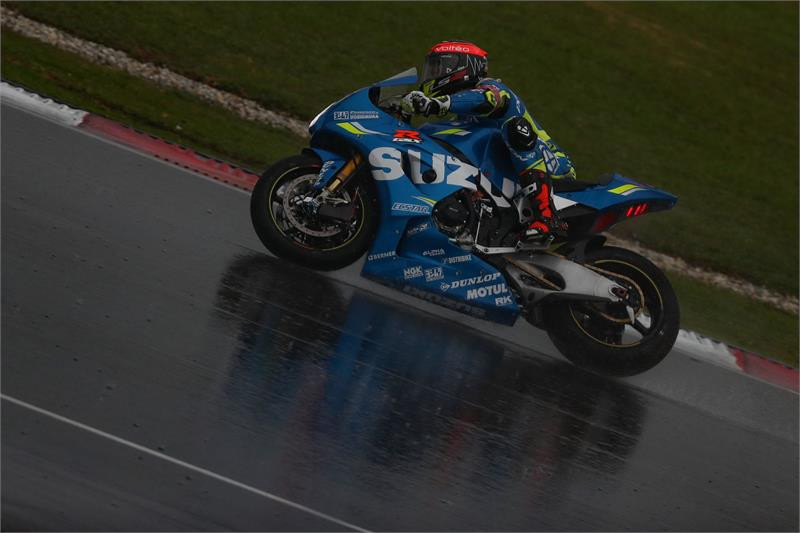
{"x":288,"y":232}
{"x":601,"y":337}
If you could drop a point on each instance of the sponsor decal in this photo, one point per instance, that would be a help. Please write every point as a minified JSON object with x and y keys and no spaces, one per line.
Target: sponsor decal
{"x":418,"y":229}
{"x":434,"y":252}
{"x":444,"y":301}
{"x":357,"y":129}
{"x":355,"y":115}
{"x":407,"y":136}
{"x":325,"y":168}
{"x":489,"y":290}
{"x":503,"y":300}
{"x":387,"y":165}
{"x":468,"y":282}
{"x":412,"y":272}
{"x":434,"y":274}
{"x":411,"y":208}
{"x":458,"y":259}
{"x":463,"y":48}
{"x":381,"y":255}
{"x":550,"y":160}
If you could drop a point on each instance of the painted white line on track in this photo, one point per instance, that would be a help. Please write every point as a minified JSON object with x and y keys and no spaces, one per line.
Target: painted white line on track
{"x":178,"y":462}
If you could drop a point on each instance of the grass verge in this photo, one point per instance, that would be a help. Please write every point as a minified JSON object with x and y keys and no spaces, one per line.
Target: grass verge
{"x":700,"y":98}
{"x":217,"y":132}
{"x":166,"y":113}
{"x":737,"y":320}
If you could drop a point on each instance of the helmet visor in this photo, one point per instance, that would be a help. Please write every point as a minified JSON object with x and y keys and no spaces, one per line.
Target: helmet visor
{"x":437,"y":65}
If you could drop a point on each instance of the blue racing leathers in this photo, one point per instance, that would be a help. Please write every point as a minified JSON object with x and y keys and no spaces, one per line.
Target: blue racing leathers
{"x":493,"y":100}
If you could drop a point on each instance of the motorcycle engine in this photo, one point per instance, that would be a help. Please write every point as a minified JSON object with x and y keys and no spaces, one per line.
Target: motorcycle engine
{"x":455,"y":215}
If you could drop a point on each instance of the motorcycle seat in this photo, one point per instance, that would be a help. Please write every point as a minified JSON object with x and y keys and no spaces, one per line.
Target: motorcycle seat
{"x":567,"y":185}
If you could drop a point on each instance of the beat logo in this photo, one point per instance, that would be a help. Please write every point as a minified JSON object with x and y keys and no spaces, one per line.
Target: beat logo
{"x":489,"y":290}
{"x":433,"y":274}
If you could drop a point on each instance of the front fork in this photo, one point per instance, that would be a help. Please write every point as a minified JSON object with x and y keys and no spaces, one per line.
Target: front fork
{"x":325,"y":202}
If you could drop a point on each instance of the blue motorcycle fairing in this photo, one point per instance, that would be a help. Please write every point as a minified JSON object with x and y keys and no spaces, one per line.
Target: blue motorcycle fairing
{"x":619,"y":192}
{"x":413,"y":169}
{"x":362,"y":108}
{"x":332,"y":163}
{"x":478,"y":143}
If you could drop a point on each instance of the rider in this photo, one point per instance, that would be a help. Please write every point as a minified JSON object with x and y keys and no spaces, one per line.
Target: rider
{"x":454,"y":81}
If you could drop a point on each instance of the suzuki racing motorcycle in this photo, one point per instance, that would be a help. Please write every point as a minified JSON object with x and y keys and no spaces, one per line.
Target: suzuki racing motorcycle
{"x":439,"y":214}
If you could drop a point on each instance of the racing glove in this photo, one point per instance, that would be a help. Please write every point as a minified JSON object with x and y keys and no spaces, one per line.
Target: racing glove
{"x":417,"y":102}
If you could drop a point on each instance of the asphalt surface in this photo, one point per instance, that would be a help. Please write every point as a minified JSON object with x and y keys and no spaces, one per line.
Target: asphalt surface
{"x":139,"y":308}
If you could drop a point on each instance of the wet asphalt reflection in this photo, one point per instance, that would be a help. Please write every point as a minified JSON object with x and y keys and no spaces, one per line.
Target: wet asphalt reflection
{"x":134,"y":301}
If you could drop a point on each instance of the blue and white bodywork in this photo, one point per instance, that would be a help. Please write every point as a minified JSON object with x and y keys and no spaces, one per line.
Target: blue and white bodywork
{"x":415,"y":168}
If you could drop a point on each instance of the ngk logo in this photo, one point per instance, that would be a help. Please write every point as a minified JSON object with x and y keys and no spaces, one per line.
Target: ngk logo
{"x":412,"y":272}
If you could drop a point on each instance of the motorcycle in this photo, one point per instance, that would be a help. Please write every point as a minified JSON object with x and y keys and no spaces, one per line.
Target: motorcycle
{"x":435,"y":211}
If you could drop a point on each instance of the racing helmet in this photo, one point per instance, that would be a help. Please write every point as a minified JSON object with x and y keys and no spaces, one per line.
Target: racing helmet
{"x":452,"y":66}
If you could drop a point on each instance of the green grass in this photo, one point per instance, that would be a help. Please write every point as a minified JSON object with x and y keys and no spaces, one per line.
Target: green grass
{"x":737,"y":320}
{"x":168,"y":114}
{"x":106,"y":91}
{"x":698,"y":98}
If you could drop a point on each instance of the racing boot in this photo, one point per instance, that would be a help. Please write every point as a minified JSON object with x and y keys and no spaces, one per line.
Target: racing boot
{"x":545,"y":225}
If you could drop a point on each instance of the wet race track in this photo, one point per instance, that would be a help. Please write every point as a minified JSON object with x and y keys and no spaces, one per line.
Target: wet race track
{"x":161,"y":372}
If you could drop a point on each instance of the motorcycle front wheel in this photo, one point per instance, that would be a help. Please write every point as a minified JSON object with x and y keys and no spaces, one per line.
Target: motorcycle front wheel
{"x":618,"y":339}
{"x":290,"y":230}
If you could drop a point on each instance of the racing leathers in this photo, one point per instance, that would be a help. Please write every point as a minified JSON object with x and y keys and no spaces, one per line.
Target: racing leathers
{"x":535,"y":156}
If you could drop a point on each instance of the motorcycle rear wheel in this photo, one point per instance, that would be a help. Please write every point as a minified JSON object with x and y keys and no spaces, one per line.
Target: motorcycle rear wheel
{"x":601,"y":337}
{"x":290,"y":233}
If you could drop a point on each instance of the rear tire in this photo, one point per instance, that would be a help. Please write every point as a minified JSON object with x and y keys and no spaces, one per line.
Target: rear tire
{"x":595,"y":337}
{"x":316,"y":246}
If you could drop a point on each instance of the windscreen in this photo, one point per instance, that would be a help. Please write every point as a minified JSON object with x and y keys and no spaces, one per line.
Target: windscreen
{"x":407,"y":77}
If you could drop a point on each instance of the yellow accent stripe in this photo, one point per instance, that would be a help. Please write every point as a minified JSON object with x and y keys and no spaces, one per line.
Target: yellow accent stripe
{"x":426,"y":200}
{"x":350,"y":128}
{"x":449,"y":132}
{"x":539,"y":132}
{"x":537,"y":165}
{"x":622,"y":188}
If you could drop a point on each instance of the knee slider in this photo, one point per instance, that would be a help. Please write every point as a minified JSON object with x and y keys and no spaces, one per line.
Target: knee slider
{"x":520,"y":133}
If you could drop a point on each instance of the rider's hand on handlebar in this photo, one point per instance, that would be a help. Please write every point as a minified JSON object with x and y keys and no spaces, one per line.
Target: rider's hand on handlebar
{"x":415,"y":102}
